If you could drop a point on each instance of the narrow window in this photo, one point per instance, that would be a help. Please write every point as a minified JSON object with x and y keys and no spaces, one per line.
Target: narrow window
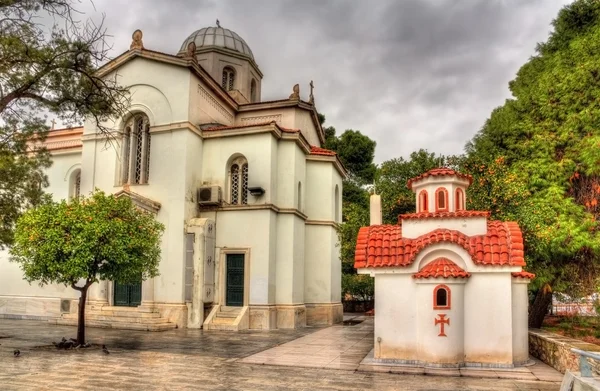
{"x":125,"y":155}
{"x":441,"y":298}
{"x":245,"y":184}
{"x":235,"y":183}
{"x":228,"y":79}
{"x":299,"y":196}
{"x":238,"y":181}
{"x":75,"y":184}
{"x":77,"y":189}
{"x":423,"y":202}
{"x":460,"y":200}
{"x":135,"y":164}
{"x":253,"y":91}
{"x":441,"y":197}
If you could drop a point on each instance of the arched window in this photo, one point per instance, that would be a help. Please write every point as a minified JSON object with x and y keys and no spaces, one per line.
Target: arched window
{"x":441,"y":200}
{"x":336,"y":204}
{"x":459,"y":199}
{"x":253,"y":91}
{"x":299,"y":196}
{"x":441,"y":298}
{"x":423,"y":201}
{"x":135,"y":166}
{"x":228,"y":80}
{"x":75,"y":184}
{"x":238,"y":181}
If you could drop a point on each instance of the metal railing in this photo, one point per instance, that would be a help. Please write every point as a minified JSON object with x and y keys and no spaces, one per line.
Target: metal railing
{"x":584,"y":366}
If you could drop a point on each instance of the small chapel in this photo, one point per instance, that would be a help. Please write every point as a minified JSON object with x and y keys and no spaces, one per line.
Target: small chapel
{"x":250,"y":201}
{"x":449,"y":283}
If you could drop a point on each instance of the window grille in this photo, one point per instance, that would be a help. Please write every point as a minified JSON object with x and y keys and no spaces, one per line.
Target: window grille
{"x":245,"y":184}
{"x":235,"y":183}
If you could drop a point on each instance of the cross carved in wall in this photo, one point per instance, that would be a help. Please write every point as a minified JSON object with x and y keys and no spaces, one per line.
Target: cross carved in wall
{"x":442,"y":321}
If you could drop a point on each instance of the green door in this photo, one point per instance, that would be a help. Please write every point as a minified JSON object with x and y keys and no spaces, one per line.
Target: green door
{"x":128,"y":295}
{"x":235,"y":280}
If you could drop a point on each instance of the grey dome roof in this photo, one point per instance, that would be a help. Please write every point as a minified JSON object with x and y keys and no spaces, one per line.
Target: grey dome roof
{"x":217,"y":36}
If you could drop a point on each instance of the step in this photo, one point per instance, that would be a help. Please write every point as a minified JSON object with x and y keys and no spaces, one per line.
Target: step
{"x":230,"y":309}
{"x":118,"y":325}
{"x":223,"y":320}
{"x":227,"y":314}
{"x":221,"y":327}
{"x":118,"y":308}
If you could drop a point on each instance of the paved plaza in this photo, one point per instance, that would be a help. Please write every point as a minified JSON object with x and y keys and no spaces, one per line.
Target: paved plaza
{"x":308,"y":359}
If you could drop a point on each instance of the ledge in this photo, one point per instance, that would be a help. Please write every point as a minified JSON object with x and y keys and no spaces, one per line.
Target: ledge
{"x":555,"y":350}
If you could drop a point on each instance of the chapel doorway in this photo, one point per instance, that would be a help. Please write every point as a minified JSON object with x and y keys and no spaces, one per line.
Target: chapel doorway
{"x":128,"y":295}
{"x":234,"y":290}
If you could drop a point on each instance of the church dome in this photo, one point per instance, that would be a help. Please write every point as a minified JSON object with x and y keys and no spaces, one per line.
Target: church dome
{"x":217,"y":37}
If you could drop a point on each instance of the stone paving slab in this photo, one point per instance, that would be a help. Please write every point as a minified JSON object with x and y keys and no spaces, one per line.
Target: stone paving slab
{"x":196,"y":360}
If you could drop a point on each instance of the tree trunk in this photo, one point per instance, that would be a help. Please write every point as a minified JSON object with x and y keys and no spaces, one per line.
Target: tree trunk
{"x":81,"y":317}
{"x":539,"y":308}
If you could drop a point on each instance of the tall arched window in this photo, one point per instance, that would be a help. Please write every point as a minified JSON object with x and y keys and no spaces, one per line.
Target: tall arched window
{"x":336,"y":204}
{"x":75,"y":184}
{"x":253,"y":91}
{"x":135,"y":168}
{"x":459,"y":199}
{"x":228,"y":80}
{"x":423,"y":201}
{"x":441,"y":200}
{"x":300,"y":196}
{"x":238,"y":181}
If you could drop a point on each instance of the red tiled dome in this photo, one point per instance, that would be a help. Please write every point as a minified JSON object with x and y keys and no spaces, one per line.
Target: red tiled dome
{"x":441,"y":267}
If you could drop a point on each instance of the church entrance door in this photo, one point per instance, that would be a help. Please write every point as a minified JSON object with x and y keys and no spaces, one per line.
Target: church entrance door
{"x":234,"y":295}
{"x":128,"y":295}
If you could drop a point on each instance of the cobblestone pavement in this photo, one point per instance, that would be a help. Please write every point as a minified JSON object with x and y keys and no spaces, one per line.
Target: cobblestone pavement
{"x":191,"y":360}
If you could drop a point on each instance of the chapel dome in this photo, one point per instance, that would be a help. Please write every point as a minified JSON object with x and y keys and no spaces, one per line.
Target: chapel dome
{"x":217,"y":37}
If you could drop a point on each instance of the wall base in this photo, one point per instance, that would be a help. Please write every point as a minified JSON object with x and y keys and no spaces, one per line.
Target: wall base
{"x":291,"y":316}
{"x":174,"y":313}
{"x":42,"y":308}
{"x":324,"y":314}
{"x":263,"y":317}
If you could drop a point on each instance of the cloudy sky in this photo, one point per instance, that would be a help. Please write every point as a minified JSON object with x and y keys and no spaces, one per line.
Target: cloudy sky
{"x":408,"y":73}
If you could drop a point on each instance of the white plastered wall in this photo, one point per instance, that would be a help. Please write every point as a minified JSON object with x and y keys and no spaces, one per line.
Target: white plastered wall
{"x":17,"y":296}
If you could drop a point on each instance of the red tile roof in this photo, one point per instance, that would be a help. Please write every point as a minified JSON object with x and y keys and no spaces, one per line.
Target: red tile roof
{"x":443,"y":215}
{"x":441,"y":267}
{"x":321,"y":151}
{"x":384,"y":246}
{"x":524,"y":274}
{"x":441,"y":171}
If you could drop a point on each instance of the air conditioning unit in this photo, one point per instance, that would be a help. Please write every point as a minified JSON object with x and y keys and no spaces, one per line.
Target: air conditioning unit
{"x":209,"y":195}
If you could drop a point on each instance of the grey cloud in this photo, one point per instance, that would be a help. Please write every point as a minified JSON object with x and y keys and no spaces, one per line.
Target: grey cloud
{"x":410,"y":74}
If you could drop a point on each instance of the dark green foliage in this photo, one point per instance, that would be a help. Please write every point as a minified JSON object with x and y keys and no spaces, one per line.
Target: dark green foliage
{"x":537,"y":161}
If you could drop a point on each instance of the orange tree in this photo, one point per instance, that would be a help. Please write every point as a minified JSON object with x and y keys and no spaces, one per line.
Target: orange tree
{"x":84,"y":241}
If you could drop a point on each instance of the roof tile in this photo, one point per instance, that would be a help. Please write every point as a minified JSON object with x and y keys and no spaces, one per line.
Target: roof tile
{"x":441,"y":267}
{"x":501,"y":245}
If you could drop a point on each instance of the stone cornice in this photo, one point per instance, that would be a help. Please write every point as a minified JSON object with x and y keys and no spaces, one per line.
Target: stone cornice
{"x":323,"y":222}
{"x":140,"y":201}
{"x":172,"y":60}
{"x":330,"y":159}
{"x":251,"y":207}
{"x":254,"y":129}
{"x":286,"y":103}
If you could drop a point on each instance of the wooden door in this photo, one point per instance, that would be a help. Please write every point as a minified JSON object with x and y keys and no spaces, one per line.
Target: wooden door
{"x":234,"y":295}
{"x":128,"y":295}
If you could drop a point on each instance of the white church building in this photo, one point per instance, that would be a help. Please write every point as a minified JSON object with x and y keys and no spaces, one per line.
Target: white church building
{"x":250,"y":201}
{"x":449,"y":283}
